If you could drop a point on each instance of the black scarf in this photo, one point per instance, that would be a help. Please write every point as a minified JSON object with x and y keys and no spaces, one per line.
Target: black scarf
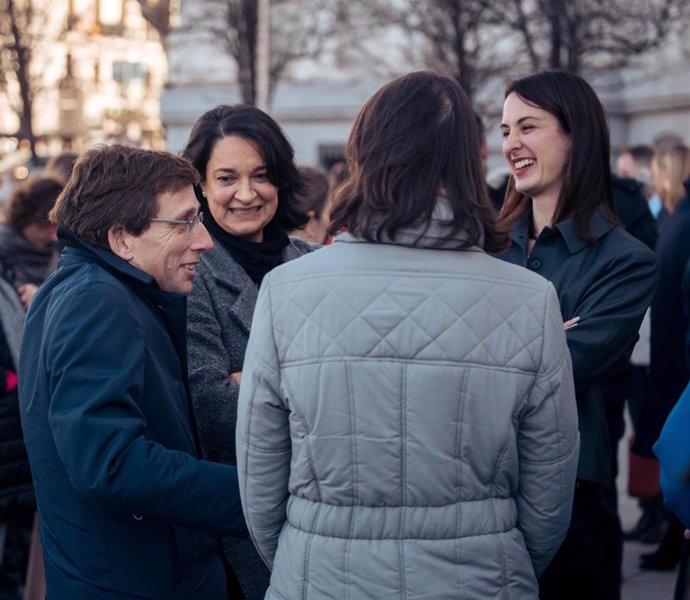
{"x":256,"y":258}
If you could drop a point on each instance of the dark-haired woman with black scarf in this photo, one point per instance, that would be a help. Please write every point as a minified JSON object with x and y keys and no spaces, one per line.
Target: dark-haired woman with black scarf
{"x":247,"y":193}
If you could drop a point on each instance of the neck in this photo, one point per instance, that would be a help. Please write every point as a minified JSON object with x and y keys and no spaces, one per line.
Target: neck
{"x":543,"y":210}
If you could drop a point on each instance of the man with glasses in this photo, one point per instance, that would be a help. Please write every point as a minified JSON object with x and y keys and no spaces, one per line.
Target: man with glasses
{"x":126,"y":507}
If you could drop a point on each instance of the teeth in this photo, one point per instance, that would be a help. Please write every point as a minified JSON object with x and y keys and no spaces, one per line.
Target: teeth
{"x":244,"y":211}
{"x":523,"y":163}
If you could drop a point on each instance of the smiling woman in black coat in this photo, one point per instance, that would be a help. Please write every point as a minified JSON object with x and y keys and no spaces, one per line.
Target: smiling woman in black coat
{"x":559,"y":209}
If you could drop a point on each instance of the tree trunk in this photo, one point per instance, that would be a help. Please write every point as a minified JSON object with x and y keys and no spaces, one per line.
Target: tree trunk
{"x":23,"y":55}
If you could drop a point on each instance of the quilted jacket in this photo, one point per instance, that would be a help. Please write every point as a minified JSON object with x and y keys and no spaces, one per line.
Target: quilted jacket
{"x":407,"y":424}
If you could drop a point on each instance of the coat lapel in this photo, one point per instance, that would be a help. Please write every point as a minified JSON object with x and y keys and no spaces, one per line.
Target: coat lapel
{"x":230,"y":275}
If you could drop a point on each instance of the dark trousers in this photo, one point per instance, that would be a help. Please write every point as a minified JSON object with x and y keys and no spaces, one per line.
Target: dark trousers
{"x":588,"y":564}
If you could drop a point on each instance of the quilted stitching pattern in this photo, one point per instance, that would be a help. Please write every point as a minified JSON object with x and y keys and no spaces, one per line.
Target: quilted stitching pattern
{"x":438,"y":319}
{"x":430,"y":417}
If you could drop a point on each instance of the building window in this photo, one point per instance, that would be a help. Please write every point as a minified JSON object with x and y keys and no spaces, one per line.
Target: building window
{"x":127,"y":72}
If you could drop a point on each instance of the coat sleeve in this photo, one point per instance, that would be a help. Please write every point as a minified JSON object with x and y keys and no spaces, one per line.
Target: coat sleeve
{"x":611,"y":312}
{"x":673,"y":451}
{"x":686,"y":309}
{"x":548,"y":446}
{"x":263,"y":435}
{"x":214,"y":395}
{"x":95,"y":361}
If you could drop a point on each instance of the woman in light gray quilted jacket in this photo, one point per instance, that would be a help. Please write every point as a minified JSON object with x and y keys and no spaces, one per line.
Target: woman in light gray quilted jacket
{"x":406,"y":422}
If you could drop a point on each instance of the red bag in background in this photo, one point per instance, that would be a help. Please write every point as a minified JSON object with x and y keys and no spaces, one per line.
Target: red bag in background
{"x":643,"y":475}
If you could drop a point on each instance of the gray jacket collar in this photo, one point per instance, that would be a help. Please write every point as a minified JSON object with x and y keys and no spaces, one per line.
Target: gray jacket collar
{"x":424,"y":234}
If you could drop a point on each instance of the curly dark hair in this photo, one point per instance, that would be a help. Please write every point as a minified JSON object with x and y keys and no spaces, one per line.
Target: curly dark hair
{"x":31,"y":202}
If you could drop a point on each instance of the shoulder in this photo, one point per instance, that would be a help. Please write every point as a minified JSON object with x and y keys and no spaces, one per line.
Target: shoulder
{"x":621,"y":245}
{"x":298,"y":247}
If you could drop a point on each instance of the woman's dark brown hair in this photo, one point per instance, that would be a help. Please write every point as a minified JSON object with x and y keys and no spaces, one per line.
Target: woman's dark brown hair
{"x":250,"y":123}
{"x":316,"y":191}
{"x":587,"y":181}
{"x":416,"y":136}
{"x":118,"y":185}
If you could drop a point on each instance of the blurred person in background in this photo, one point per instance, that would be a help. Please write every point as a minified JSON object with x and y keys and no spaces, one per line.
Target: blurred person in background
{"x":407,"y":425}
{"x":560,"y":212}
{"x":635,"y":162}
{"x":28,"y":251}
{"x":669,"y":371}
{"x":248,"y":192}
{"x":315,"y":202}
{"x":17,"y":503}
{"x":60,"y":166}
{"x":634,"y":177}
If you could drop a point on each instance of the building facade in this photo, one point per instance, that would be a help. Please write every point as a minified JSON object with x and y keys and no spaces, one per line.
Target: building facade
{"x":98,"y":72}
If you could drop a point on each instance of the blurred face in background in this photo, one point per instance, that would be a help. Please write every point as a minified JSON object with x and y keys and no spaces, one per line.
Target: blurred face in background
{"x":41,"y":235}
{"x":316,"y":230}
{"x":625,"y":166}
{"x":238,"y":189}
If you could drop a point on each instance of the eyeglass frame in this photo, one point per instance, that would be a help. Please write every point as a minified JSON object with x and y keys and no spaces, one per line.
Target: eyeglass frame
{"x":192,"y":224}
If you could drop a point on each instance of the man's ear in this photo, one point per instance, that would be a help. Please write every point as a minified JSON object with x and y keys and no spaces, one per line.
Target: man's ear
{"x":119,"y":241}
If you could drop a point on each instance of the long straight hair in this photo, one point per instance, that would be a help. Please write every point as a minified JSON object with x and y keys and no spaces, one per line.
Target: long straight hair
{"x":587,"y":181}
{"x":673,"y":164}
{"x":413,"y":137}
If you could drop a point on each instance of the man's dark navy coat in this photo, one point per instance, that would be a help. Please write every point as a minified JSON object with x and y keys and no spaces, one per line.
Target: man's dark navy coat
{"x":126,"y":509}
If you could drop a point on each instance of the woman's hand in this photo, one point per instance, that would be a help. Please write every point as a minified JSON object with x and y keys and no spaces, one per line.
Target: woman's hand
{"x":571,"y":322}
{"x":236,"y":377}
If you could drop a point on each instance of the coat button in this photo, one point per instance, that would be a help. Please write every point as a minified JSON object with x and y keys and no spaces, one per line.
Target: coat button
{"x":535,"y":264}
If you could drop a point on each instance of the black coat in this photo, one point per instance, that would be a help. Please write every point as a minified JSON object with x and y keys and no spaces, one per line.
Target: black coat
{"x":669,"y":373}
{"x":609,"y":285}
{"x":16,"y":488}
{"x":633,"y":211}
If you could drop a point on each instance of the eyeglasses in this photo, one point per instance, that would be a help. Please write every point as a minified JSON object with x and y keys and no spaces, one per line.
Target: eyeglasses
{"x":191,"y":224}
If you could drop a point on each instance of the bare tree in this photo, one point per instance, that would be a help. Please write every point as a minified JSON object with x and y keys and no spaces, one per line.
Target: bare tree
{"x":472,"y":40}
{"x":157,"y":14}
{"x":581,"y":35}
{"x":299,"y":28}
{"x":22,"y":28}
{"x":460,"y":38}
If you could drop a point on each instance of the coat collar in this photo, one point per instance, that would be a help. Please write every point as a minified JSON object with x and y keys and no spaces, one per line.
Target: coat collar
{"x":599,"y":227}
{"x":142,"y":283}
{"x":228,"y":273}
{"x":430,"y":233}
